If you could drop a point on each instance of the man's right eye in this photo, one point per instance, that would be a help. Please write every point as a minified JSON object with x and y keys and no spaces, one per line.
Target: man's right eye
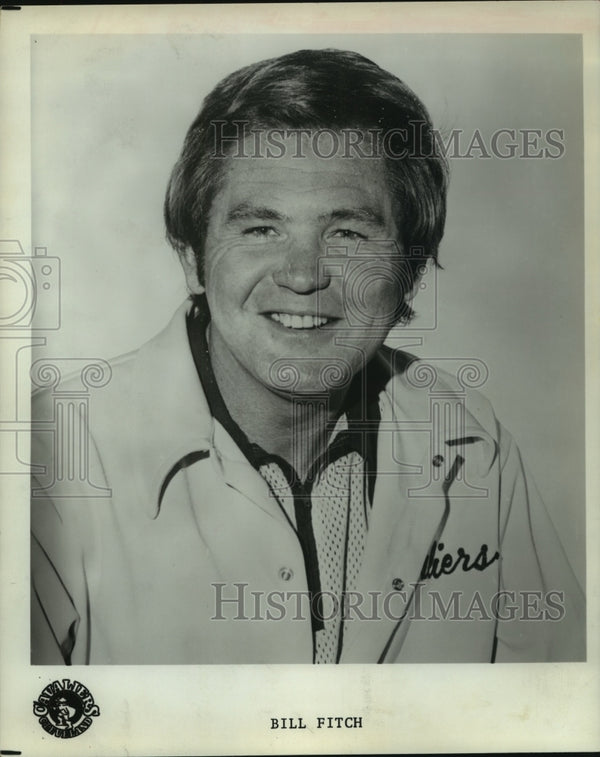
{"x":260,"y":231}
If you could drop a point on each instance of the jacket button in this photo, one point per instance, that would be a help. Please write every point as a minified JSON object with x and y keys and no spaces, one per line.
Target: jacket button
{"x":398,"y":584}
{"x":437,"y":460}
{"x":286,"y":574}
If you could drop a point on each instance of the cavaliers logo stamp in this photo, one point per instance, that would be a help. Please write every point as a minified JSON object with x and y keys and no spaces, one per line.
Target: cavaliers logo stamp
{"x":65,"y":709}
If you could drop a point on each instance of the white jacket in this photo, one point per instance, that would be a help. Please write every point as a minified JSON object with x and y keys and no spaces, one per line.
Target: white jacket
{"x":119,"y":579}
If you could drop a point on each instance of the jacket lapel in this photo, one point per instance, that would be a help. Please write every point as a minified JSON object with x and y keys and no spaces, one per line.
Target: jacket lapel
{"x":410,"y":508}
{"x":401,"y":531}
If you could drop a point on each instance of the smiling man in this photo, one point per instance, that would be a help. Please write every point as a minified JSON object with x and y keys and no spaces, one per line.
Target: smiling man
{"x":273,"y":300}
{"x":283,"y":487}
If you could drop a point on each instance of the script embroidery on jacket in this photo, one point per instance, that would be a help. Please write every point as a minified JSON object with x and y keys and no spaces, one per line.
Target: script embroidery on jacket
{"x":436,"y":566}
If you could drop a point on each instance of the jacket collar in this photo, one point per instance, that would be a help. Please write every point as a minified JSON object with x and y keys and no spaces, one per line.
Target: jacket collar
{"x":174,"y":423}
{"x":172,"y":418}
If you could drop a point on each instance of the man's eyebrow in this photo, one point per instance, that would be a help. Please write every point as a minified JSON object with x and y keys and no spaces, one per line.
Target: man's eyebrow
{"x":246,"y":210}
{"x":362,"y":214}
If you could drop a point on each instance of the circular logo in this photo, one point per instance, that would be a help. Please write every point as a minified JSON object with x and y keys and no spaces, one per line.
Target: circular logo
{"x":65,"y":709}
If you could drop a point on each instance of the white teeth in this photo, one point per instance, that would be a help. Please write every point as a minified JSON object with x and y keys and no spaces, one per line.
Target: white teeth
{"x":299,"y":321}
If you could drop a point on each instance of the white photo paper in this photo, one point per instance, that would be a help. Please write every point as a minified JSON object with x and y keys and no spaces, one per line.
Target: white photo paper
{"x":299,"y":368}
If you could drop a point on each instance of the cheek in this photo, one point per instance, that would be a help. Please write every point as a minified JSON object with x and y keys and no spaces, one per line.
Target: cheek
{"x":374,"y":295}
{"x":230,"y":272}
{"x":217,"y":259}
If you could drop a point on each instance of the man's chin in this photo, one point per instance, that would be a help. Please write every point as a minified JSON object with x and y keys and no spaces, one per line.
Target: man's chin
{"x":308,"y":376}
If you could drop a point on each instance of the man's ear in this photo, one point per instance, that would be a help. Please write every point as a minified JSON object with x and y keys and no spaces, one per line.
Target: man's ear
{"x":190,"y":269}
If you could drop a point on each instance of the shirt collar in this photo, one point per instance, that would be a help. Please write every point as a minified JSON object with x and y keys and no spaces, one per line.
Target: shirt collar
{"x":197,"y":322}
{"x":171,"y":418}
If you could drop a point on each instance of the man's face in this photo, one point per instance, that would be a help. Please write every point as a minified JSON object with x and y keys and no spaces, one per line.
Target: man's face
{"x":288,"y":309}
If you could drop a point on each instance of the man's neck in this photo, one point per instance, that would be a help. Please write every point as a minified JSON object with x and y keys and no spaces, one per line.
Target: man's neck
{"x":294,"y":428}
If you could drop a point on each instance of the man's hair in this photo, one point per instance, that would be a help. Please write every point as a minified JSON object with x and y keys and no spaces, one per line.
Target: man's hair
{"x":316,"y":89}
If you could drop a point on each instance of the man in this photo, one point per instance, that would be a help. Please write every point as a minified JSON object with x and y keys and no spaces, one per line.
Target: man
{"x":283,"y":487}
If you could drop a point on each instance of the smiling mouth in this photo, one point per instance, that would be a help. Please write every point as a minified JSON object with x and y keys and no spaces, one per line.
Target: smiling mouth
{"x":299,"y":321}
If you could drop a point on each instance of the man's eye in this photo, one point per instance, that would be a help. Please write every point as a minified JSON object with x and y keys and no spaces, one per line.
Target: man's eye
{"x":348,"y":234}
{"x":260,"y":231}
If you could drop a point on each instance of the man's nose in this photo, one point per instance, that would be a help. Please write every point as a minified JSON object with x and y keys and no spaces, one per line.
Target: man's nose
{"x":302,"y":269}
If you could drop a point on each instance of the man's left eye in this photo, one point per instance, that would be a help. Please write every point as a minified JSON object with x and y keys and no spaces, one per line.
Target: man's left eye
{"x":348,"y":234}
{"x":260,"y":231}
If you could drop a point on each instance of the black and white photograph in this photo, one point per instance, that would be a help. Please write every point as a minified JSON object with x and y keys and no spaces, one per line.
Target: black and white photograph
{"x":299,"y":328}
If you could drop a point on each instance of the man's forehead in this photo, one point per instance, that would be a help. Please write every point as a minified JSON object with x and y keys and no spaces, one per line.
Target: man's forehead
{"x":308,"y":168}
{"x":301,"y":169}
{"x":271,"y":191}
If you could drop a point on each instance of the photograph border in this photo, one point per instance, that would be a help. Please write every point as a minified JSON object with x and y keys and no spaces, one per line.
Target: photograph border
{"x":227,"y":709}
